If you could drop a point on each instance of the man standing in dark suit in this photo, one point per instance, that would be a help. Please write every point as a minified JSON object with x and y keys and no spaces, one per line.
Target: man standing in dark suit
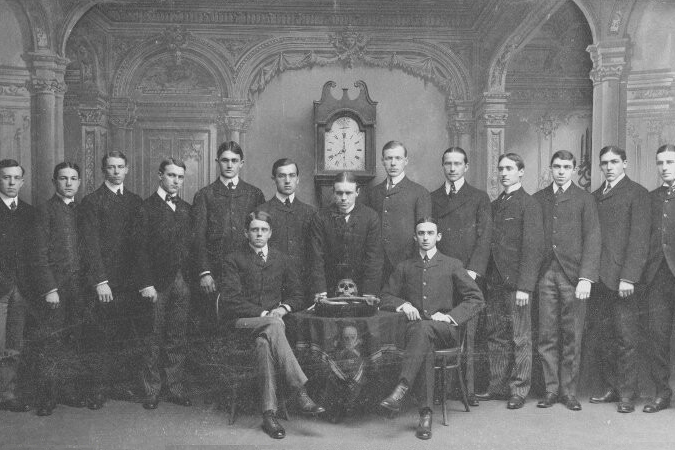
{"x":624,"y":212}
{"x":259,"y":287}
{"x":399,"y":202}
{"x":17,"y":225}
{"x":58,"y":309}
{"x":465,"y":220}
{"x":517,"y":246}
{"x":424,"y":289}
{"x":345,"y":242}
{"x":164,"y":240}
{"x":572,"y":255}
{"x":660,"y":276}
{"x":291,"y":217}
{"x":108,"y":216}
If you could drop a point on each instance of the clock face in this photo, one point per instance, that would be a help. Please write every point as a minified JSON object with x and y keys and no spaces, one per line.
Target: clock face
{"x":344,"y":146}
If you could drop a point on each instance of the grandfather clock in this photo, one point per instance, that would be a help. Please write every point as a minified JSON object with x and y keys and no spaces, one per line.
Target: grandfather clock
{"x":344,"y":138}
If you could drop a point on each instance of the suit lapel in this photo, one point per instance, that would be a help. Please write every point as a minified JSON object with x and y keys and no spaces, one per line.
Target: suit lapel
{"x":620,"y":186}
{"x":462,"y":196}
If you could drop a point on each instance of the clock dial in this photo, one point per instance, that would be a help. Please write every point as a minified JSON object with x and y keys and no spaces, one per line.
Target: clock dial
{"x":344,"y":146}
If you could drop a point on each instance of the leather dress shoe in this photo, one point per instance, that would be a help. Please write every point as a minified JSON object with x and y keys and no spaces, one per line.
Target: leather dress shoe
{"x":487,"y":396}
{"x":272,"y":427}
{"x":45,"y":408}
{"x":472,"y":399}
{"x":15,"y":405}
{"x":151,"y":402}
{"x":656,"y":405}
{"x":515,"y":402}
{"x":610,"y":396}
{"x":96,"y":401}
{"x":393,"y":402}
{"x":549,"y":400}
{"x":180,"y":400}
{"x":625,"y":406}
{"x":571,"y":403}
{"x":307,"y":405}
{"x":74,"y":401}
{"x":424,"y":428}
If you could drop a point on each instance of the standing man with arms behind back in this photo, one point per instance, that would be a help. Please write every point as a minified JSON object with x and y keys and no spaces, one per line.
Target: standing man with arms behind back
{"x":624,"y":212}
{"x":572,"y":254}
{"x":465,"y":220}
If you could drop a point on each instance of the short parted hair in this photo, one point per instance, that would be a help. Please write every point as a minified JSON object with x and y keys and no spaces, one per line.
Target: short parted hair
{"x":459,"y":150}
{"x":426,"y":219}
{"x":6,"y":163}
{"x":393,"y":144}
{"x":230,"y":146}
{"x":258,"y":215}
{"x":618,"y":151}
{"x":665,"y":148}
{"x":113,"y":154}
{"x":345,"y":177}
{"x":565,"y":156}
{"x":515,"y":157}
{"x":66,"y":165}
{"x":284,"y":162}
{"x":171,"y":161}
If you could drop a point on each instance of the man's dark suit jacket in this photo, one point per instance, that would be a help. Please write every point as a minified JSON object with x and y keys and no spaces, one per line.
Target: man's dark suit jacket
{"x":625,"y":221}
{"x":352,"y":250}
{"x":571,"y":231}
{"x":517,"y":240}
{"x":107,"y":230}
{"x":465,"y":220}
{"x":250,"y":286}
{"x":163,"y":242}
{"x":662,"y":242}
{"x":219,"y":216}
{"x":442,"y":285}
{"x":59,"y":248}
{"x":17,"y":246}
{"x":399,"y":209}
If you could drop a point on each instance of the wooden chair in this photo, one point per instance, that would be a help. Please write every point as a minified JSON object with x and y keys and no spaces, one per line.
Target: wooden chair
{"x":450,"y":359}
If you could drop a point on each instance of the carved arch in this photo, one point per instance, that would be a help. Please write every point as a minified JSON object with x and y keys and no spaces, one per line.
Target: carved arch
{"x":33,"y":12}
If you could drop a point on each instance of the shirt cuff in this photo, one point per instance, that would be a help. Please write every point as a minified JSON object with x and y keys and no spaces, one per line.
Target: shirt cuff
{"x":101,"y":283}
{"x":627,"y":281}
{"x":47,"y":293}
{"x":285,"y":306}
{"x":264,"y":313}
{"x":142,"y":289}
{"x":452,"y":321}
{"x":206,"y":272}
{"x":585,"y":279}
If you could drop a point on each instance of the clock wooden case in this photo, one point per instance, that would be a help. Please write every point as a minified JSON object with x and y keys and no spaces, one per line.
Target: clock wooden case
{"x":344,"y":137}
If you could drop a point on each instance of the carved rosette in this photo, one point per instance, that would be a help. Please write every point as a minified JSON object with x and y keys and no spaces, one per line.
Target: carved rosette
{"x":7,"y":117}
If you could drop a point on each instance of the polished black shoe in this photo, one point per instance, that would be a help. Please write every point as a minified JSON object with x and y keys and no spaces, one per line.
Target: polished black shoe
{"x":625,"y":406}
{"x":96,"y":401}
{"x":180,"y":400}
{"x":307,"y":405}
{"x":272,"y":427}
{"x":15,"y":405}
{"x":393,"y":402}
{"x":656,"y":405}
{"x":424,"y":428}
{"x":487,"y":396}
{"x":472,"y":399}
{"x":610,"y":396}
{"x":515,"y":402}
{"x":571,"y":403}
{"x":151,"y":402}
{"x":74,"y":401}
{"x":46,"y":408}
{"x":549,"y":400}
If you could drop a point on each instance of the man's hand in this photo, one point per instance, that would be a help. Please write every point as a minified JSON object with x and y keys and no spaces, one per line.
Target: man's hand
{"x":150,"y":292}
{"x":52,"y":299}
{"x":472,"y":274}
{"x":440,"y":317}
{"x":583,"y":290}
{"x":207,"y":285}
{"x":278,"y":312}
{"x":319,"y":295}
{"x":104,"y":293}
{"x":626,"y":289}
{"x":410,"y":312}
{"x":522,"y":298}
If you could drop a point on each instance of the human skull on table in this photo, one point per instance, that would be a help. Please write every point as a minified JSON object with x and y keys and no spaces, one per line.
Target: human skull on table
{"x":347,"y":288}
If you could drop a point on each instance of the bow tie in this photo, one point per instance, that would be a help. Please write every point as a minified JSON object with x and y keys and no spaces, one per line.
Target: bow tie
{"x":171,"y":198}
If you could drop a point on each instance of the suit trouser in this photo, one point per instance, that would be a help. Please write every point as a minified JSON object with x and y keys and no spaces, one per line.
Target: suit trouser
{"x":12,"y":319}
{"x":509,"y":336}
{"x":561,"y":325}
{"x":661,"y":300}
{"x":471,"y":331}
{"x":272,"y":352}
{"x":168,"y":328}
{"x":614,"y":331}
{"x":421,"y":338}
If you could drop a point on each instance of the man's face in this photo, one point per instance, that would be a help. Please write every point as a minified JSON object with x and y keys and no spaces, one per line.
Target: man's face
{"x":612,"y":166}
{"x":345,"y":194}
{"x":427,"y":235}
{"x":67,"y":182}
{"x":11,"y":180}
{"x":230,"y":164}
{"x":454,"y":166}
{"x":665,"y":164}
{"x":394,"y":161}
{"x":286,"y":179}
{"x":172,"y":179}
{"x":115,"y":170}
{"x":509,"y":173}
{"x":258,"y":233}
{"x":562,"y":170}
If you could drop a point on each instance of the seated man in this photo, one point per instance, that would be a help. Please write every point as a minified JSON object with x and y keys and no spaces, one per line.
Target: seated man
{"x":422,"y":288}
{"x":260,"y":286}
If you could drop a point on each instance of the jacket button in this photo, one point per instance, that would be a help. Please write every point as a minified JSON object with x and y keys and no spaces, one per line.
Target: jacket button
{"x":554,"y":246}
{"x":424,"y":283}
{"x":424,"y":297}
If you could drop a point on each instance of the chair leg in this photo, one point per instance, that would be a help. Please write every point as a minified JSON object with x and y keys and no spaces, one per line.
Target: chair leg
{"x":462,"y":385}
{"x":444,"y":393}
{"x":233,"y":405}
{"x":283,"y":409}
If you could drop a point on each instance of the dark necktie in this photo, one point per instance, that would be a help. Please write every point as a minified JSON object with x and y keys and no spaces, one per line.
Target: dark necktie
{"x":559,"y":192}
{"x":608,"y":187}
{"x":12,"y":205}
{"x":287,"y":202}
{"x":452,"y":191}
{"x":71,"y":205}
{"x":261,"y":255}
{"x":671,"y":190}
{"x":503,"y":197}
{"x":425,"y":259}
{"x":119,"y":192}
{"x":231,"y":186}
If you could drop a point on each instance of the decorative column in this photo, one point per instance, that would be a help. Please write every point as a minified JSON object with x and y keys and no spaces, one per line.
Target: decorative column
{"x":122,"y":119}
{"x":235,"y":118}
{"x":461,"y":127}
{"x":492,"y":115}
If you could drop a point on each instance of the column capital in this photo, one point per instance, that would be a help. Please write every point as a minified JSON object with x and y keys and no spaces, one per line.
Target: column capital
{"x":609,"y":59}
{"x":235,"y":115}
{"x":46,"y":86}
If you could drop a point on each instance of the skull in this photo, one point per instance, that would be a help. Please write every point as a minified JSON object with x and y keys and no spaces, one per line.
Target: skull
{"x":350,"y":337}
{"x":347,"y":287}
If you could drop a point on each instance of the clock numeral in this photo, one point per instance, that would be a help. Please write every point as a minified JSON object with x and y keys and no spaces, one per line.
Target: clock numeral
{"x":357,"y":157}
{"x":359,"y":149}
